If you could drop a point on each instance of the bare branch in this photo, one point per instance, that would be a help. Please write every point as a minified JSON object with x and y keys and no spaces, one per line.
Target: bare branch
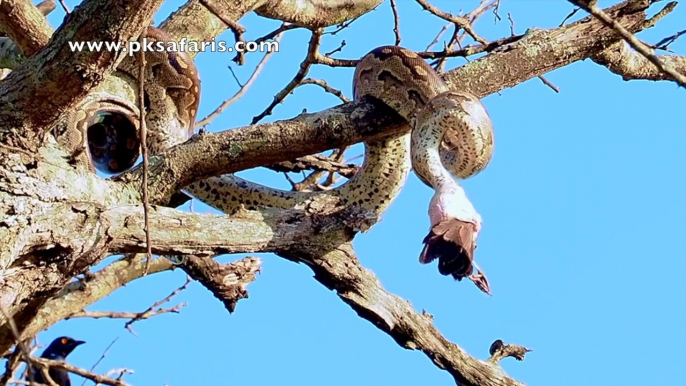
{"x":339,"y":270}
{"x":396,"y":22}
{"x":244,"y":88}
{"x":78,"y":295}
{"x":98,"y":379}
{"x":629,"y":64}
{"x":25,"y":24}
{"x":460,"y":22}
{"x":500,"y":350}
{"x":315,"y":14}
{"x":635,"y":43}
{"x":55,"y":74}
{"x":151,"y":310}
{"x":126,"y":315}
{"x":227,"y":282}
{"x":312,"y":50}
{"x":326,"y":87}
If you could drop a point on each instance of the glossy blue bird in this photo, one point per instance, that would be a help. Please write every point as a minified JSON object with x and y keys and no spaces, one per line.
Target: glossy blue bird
{"x":57,"y":350}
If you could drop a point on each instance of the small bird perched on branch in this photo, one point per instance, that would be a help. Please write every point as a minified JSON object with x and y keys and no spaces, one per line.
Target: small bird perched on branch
{"x":57,"y":350}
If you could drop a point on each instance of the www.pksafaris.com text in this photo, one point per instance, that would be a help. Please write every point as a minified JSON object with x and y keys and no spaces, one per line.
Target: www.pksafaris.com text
{"x":183,"y":45}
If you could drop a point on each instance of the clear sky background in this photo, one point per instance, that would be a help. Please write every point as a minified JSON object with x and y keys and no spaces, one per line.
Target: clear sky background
{"x":583,"y":207}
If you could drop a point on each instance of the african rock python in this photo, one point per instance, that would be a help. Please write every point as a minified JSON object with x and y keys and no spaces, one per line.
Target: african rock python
{"x":102,"y":131}
{"x":392,"y":75}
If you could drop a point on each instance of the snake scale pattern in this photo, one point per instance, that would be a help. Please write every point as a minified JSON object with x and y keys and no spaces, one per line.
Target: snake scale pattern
{"x":449,"y":134}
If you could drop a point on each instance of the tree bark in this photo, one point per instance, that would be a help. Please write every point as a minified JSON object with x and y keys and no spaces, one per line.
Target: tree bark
{"x":56,"y":222}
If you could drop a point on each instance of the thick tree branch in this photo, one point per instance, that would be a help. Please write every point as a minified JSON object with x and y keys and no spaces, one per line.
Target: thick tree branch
{"x":339,"y":270}
{"x":539,"y":52}
{"x":253,"y":146}
{"x":630,"y":65}
{"x":633,"y":41}
{"x":25,"y":24}
{"x":315,"y":14}
{"x":175,"y":232}
{"x":53,"y":255}
{"x":35,"y":94}
{"x":79,"y":294}
{"x":197,"y":23}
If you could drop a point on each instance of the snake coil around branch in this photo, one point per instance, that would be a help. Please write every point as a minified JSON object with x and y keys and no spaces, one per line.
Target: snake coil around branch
{"x":449,"y":134}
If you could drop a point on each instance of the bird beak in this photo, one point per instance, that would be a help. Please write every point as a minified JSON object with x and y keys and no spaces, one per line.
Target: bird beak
{"x":78,"y":342}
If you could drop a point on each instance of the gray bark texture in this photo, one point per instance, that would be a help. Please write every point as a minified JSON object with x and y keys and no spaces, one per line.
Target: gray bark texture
{"x":57,"y":221}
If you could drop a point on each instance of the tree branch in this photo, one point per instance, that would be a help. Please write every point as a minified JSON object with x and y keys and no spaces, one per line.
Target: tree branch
{"x":80,"y":294}
{"x":175,"y":232}
{"x":339,"y":270}
{"x":633,"y":41}
{"x":36,"y":93}
{"x":539,"y":52}
{"x":197,"y":23}
{"x":227,"y":282}
{"x":315,"y":14}
{"x":630,"y":65}
{"x":98,"y":379}
{"x":25,"y":24}
{"x":53,"y":255}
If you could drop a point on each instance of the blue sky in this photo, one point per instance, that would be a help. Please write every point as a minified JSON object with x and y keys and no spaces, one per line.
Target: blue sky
{"x":582,"y":206}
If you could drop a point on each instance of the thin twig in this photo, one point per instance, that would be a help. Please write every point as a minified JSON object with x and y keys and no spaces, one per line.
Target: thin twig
{"x":460,"y":22}
{"x":496,"y":8}
{"x":574,"y":11}
{"x":312,"y":52}
{"x":65,"y":7}
{"x":104,"y":354}
{"x":438,"y":36}
{"x":337,"y":49}
{"x":283,"y":28}
{"x":341,"y":27}
{"x":237,"y":29}
{"x":327,"y":88}
{"x":549,"y":84}
{"x":243,"y":89}
{"x":396,"y":22}
{"x":664,"y":43}
{"x":144,"y":149}
{"x":458,"y":36}
{"x":145,"y":314}
{"x":126,"y":315}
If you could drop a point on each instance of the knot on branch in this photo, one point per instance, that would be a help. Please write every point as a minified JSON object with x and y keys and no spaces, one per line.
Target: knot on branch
{"x":499,"y":350}
{"x":227,"y":282}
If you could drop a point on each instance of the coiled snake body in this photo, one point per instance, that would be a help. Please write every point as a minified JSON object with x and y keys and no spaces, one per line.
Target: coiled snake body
{"x":448,"y":134}
{"x":445,"y":128}
{"x":102,"y":131}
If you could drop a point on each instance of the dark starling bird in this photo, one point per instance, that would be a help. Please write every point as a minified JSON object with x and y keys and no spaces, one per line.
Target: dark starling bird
{"x":57,"y":350}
